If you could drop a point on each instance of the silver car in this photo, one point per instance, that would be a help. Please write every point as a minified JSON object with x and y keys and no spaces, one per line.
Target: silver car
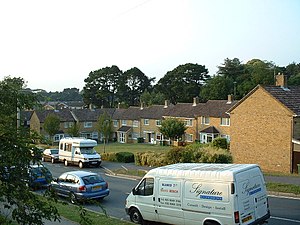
{"x":50,"y":154}
{"x":80,"y":185}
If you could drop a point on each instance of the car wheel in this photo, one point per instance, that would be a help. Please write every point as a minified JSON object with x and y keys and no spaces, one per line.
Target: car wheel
{"x":135,"y":216}
{"x":66,"y":162}
{"x":52,"y":160}
{"x":73,"y":198}
{"x":80,"y":165}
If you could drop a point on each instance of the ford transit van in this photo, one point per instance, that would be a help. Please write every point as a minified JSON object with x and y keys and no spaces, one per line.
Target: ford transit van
{"x":200,"y":193}
{"x":78,"y":151}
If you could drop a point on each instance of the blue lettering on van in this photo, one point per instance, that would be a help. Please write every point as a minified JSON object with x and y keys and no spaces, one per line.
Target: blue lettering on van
{"x":209,"y":197}
{"x":166,"y":185}
{"x":254,"y":191}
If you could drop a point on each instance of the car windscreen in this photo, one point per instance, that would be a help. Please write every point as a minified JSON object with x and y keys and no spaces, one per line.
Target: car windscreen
{"x":92,"y":179}
{"x":87,"y":150}
{"x":54,"y":151}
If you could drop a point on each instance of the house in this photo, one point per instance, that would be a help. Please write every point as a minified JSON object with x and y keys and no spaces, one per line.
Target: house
{"x":265,"y":127}
{"x":38,"y":118}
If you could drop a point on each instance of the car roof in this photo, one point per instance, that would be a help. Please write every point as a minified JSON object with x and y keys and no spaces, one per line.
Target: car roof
{"x":80,"y":173}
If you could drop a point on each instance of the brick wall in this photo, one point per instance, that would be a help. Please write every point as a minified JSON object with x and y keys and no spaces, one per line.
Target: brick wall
{"x":261,"y":132}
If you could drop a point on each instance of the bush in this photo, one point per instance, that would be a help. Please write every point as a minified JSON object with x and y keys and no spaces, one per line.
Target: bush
{"x":150,"y":159}
{"x":125,"y":157}
{"x":140,"y":140}
{"x":111,"y":156}
{"x":220,"y":143}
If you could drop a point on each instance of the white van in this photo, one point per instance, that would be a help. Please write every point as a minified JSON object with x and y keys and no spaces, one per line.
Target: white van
{"x":200,"y":193}
{"x":78,"y":151}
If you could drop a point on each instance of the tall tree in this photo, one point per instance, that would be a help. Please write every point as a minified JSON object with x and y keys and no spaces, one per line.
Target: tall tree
{"x":232,"y":68}
{"x":15,"y":157}
{"x":183,"y":83}
{"x":51,"y":125}
{"x":104,"y":125}
{"x":152,"y":98}
{"x":102,"y":86}
{"x":135,"y":83}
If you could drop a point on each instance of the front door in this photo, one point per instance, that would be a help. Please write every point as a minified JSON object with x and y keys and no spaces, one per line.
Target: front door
{"x":122,"y":136}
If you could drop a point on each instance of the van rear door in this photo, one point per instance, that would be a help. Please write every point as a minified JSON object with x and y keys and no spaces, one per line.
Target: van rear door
{"x":252,"y":196}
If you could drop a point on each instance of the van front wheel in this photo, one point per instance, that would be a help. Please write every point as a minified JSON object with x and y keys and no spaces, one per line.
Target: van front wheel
{"x":135,"y":216}
{"x":66,"y":162}
{"x":209,"y":222}
{"x":80,"y":165}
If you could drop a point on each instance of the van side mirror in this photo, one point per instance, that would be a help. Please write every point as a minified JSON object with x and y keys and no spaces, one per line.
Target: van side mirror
{"x":133,"y":191}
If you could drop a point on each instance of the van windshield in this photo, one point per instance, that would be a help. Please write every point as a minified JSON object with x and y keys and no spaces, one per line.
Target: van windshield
{"x":87,"y":150}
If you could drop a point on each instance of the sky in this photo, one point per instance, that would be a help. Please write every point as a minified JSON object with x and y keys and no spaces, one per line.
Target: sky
{"x":55,"y":44}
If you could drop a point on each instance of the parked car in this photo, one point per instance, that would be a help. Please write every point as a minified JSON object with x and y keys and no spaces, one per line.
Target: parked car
{"x":39,"y":176}
{"x":80,"y":186}
{"x":50,"y":154}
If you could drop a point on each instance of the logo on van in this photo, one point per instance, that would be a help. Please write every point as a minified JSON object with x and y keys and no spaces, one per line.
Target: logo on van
{"x":211,"y":194}
{"x":251,"y":190}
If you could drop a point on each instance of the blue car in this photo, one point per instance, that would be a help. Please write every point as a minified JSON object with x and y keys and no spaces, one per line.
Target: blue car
{"x":80,"y":186}
{"x":39,"y":176}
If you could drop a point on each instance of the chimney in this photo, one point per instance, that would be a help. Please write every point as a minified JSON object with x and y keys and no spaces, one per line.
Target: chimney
{"x":229,"y":99}
{"x":281,"y":80}
{"x":167,"y":103}
{"x":195,"y":101}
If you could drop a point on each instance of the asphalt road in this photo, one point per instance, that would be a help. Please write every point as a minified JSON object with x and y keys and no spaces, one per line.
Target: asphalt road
{"x":284,"y":210}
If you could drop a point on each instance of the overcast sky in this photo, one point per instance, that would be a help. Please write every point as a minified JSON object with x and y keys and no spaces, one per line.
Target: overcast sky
{"x":56,"y":44}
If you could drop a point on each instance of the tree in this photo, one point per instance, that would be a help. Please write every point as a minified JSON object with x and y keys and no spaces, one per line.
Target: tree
{"x":172,"y":128}
{"x":16,"y":156}
{"x":152,"y":98}
{"x":101,"y":88}
{"x":232,"y":68}
{"x":74,"y":130}
{"x":183,"y":83}
{"x":218,"y":87}
{"x":51,"y":125}
{"x":134,"y":84}
{"x":104,"y":125}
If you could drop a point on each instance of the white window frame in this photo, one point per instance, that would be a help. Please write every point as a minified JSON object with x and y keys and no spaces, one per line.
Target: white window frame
{"x":225,"y":121}
{"x":188,"y":122}
{"x":158,"y":123}
{"x":88,"y":124}
{"x":189,"y":137}
{"x":135,"y":123}
{"x":115,"y":123}
{"x":124,"y":122}
{"x":146,"y":122}
{"x":205,"y":120}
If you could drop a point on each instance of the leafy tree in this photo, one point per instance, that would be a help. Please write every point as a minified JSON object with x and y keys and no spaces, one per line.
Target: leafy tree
{"x":152,"y":98}
{"x":104,"y":125}
{"x":183,"y":83}
{"x":231,"y":68}
{"x":51,"y":125}
{"x":172,"y":128}
{"x":16,"y":156}
{"x":74,"y":130}
{"x":135,"y":83}
{"x":219,"y":87}
{"x":101,"y":88}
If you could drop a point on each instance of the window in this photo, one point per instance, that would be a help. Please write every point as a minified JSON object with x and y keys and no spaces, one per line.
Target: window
{"x":135,"y":123}
{"x":204,"y":120}
{"x":189,"y":137}
{"x":225,"y":121}
{"x":88,"y":124}
{"x":115,"y":123}
{"x":135,"y":135}
{"x":68,"y":124}
{"x":158,"y":123}
{"x":146,"y":121}
{"x":188,"y":122}
{"x":146,"y":187}
{"x":124,"y":122}
{"x":158,"y":136}
{"x":207,"y":137}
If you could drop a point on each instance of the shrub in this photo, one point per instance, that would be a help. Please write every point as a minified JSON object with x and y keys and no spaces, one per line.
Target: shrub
{"x":220,"y":143}
{"x":215,"y":155}
{"x":125,"y":157}
{"x":150,"y":159}
{"x":110,"y":156}
{"x":140,"y":140}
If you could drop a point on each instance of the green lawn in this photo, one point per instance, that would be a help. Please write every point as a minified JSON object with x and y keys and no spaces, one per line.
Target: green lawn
{"x":134,"y":148}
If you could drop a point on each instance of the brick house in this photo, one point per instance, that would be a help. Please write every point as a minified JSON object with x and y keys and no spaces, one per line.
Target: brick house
{"x":266,"y":127}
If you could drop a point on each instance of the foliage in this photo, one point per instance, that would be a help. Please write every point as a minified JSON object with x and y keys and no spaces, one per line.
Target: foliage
{"x":52,"y":124}
{"x":125,"y":157}
{"x":16,"y":154}
{"x":109,"y":156}
{"x":183,"y":83}
{"x":152,"y":98}
{"x":74,"y":130}
{"x":220,"y":143}
{"x":172,"y":128}
{"x":68,"y":94}
{"x":104,"y":126}
{"x":140,"y":140}
{"x":150,"y":159}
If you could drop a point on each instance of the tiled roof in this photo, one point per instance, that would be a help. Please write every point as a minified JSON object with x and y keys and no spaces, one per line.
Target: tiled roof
{"x":132,"y":113}
{"x":91,"y":114}
{"x":117,"y":115}
{"x":64,"y":115}
{"x":186,"y":110}
{"x":124,"y":129}
{"x":216,"y":108}
{"x":155,"y":111}
{"x":211,"y":130}
{"x":290,"y":97}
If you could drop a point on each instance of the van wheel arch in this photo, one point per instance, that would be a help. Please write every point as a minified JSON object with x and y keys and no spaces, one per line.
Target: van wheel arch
{"x":211,"y":222}
{"x":135,"y":216}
